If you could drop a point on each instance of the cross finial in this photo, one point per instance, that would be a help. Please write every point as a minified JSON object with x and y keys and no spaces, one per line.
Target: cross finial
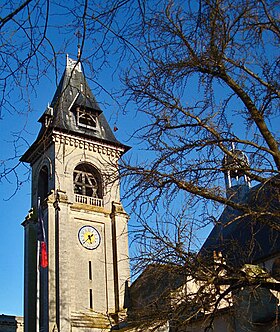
{"x":79,"y":35}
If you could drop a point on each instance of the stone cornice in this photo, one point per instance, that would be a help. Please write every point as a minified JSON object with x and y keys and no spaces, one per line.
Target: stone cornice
{"x":90,"y":208}
{"x":29,"y":218}
{"x":41,"y":145}
{"x":86,"y":144}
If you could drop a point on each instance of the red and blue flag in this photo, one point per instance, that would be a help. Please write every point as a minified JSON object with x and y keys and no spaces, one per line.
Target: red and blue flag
{"x":41,"y":238}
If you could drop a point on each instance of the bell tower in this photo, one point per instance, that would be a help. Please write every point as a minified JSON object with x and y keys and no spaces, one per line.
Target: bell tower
{"x":74,"y":163}
{"x":237,"y":181}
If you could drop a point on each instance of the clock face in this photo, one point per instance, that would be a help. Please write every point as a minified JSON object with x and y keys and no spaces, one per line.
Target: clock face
{"x":89,"y":237}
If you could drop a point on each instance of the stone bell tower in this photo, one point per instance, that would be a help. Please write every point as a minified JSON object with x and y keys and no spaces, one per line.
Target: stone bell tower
{"x":74,"y":164}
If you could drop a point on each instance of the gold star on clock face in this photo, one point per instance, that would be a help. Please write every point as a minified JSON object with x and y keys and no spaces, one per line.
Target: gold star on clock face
{"x":89,"y":237}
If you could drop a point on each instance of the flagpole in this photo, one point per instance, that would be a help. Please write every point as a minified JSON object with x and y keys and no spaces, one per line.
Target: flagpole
{"x":38,"y":289}
{"x":42,"y":262}
{"x":38,"y":278}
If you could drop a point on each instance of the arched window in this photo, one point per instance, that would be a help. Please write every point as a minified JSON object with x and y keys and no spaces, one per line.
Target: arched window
{"x":87,"y":181}
{"x":43,"y":183}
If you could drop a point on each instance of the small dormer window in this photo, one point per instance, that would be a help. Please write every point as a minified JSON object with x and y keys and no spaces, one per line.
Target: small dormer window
{"x":86,"y":119}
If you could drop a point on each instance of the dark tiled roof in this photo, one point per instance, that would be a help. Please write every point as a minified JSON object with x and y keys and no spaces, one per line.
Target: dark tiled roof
{"x":73,"y":91}
{"x":250,"y":238}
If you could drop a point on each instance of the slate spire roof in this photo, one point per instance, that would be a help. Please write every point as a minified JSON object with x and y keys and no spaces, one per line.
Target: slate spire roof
{"x":73,"y":94}
{"x":73,"y":90}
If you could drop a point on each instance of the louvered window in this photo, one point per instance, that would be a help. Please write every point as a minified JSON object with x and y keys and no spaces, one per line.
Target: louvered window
{"x":86,"y":119}
{"x":86,"y":181}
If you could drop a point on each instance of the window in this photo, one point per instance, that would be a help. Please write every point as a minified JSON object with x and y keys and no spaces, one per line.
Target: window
{"x":89,"y":270}
{"x":86,"y":119}
{"x":43,"y":183}
{"x":90,"y":299}
{"x":87,"y":181}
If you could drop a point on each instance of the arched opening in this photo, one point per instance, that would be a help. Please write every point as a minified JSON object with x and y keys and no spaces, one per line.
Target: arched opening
{"x":87,"y":181}
{"x":86,"y":119}
{"x":43,"y":183}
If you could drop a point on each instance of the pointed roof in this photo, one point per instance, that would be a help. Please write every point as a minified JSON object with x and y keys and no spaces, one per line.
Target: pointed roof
{"x":72,"y":94}
{"x":73,"y":90}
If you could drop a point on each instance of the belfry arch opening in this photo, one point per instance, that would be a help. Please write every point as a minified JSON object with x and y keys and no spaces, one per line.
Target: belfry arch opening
{"x":87,"y":181}
{"x":43,"y":183}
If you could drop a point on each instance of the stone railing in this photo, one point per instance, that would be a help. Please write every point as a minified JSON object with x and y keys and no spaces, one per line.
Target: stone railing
{"x":88,"y":200}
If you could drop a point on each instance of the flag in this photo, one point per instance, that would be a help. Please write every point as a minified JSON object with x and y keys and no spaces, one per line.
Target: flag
{"x":41,"y":238}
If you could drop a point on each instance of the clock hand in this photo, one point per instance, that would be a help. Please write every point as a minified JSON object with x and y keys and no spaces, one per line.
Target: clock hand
{"x":89,"y":238}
